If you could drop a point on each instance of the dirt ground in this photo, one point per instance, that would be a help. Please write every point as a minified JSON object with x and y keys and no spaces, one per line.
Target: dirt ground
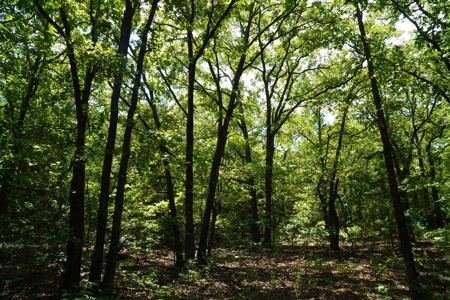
{"x":367,"y":270}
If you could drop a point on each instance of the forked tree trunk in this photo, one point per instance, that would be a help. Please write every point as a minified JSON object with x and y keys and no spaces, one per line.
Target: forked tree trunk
{"x":72,"y":267}
{"x":222,"y":136}
{"x":214,"y":173}
{"x":333,"y":220}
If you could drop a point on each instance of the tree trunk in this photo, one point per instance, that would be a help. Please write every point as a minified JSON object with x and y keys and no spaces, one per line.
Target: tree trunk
{"x":429,"y":213}
{"x":434,"y":192}
{"x":177,"y":246}
{"x":268,"y":178}
{"x":9,"y":167}
{"x":111,"y":260}
{"x":334,"y":184}
{"x":218,"y":154}
{"x":408,"y":258}
{"x":222,"y":136}
{"x":102,"y":213}
{"x":72,"y":266}
{"x":333,"y":220}
{"x":189,"y":183}
{"x":402,"y":174}
{"x":254,"y":228}
{"x":212,"y":236}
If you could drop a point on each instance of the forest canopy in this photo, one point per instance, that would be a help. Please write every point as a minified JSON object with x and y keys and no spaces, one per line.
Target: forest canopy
{"x":191,"y":126}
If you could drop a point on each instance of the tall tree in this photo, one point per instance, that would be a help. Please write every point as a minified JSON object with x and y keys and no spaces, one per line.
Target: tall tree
{"x":406,"y":249}
{"x":111,"y":260}
{"x":102,"y":212}
{"x":65,"y":27}
{"x":254,"y":227}
{"x":222,"y":135}
{"x":177,"y":246}
{"x":215,"y":16}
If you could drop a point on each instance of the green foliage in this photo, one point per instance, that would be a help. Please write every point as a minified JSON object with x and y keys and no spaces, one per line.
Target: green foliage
{"x":303,"y":74}
{"x":439,"y":237}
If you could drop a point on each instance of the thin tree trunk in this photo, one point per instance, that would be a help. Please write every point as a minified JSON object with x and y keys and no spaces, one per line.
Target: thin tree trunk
{"x":212,"y":235}
{"x":334,"y":184}
{"x":434,"y":193}
{"x":268,"y":178}
{"x":429,"y":213}
{"x":9,"y":167}
{"x":254,"y":228}
{"x":402,"y":175}
{"x":111,"y":260}
{"x":218,"y":154}
{"x":177,"y":246}
{"x":408,"y":258}
{"x":102,"y":213}
{"x":333,"y":220}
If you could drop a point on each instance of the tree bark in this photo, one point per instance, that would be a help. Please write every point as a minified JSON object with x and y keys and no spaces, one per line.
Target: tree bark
{"x":434,"y":192}
{"x":72,"y":266}
{"x":189,"y":183}
{"x":254,"y":228}
{"x":9,"y":167}
{"x":408,"y":258}
{"x":177,"y":246}
{"x":102,"y":213}
{"x":111,"y":260}
{"x":268,"y":178}
{"x":218,"y":154}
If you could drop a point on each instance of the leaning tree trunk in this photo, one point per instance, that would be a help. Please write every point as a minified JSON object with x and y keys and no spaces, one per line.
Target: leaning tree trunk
{"x":9,"y":167}
{"x":215,"y":167}
{"x":102,"y":213}
{"x":177,"y":246}
{"x":114,"y":246}
{"x":254,"y":227}
{"x":334,"y":185}
{"x":408,"y":258}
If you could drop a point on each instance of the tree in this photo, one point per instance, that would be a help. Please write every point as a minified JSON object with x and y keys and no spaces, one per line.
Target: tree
{"x":194,"y":54}
{"x":17,"y":117}
{"x":122,"y":176}
{"x":81,"y":92}
{"x":102,"y":212}
{"x":408,"y":258}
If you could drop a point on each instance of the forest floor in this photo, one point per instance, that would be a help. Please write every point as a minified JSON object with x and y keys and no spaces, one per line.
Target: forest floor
{"x":367,"y":270}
